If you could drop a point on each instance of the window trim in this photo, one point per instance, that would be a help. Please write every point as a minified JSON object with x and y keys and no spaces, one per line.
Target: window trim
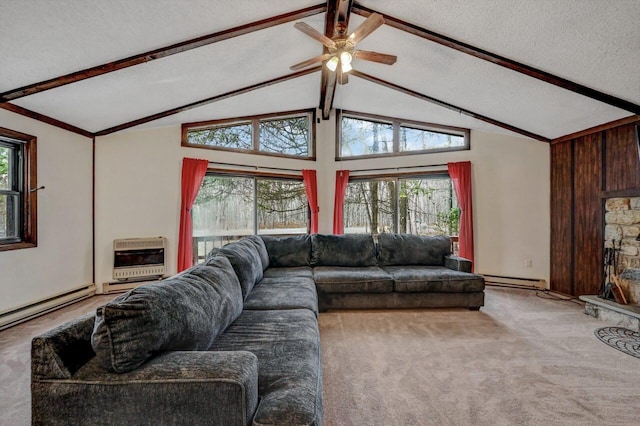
{"x":254,"y":121}
{"x":397,"y":123}
{"x":28,"y":194}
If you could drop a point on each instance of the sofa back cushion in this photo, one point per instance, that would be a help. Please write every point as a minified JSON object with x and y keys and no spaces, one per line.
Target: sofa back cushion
{"x":262,"y":250}
{"x":184,"y":312}
{"x":246,"y":261}
{"x":288,"y":251}
{"x":407,"y":249}
{"x":343,"y":250}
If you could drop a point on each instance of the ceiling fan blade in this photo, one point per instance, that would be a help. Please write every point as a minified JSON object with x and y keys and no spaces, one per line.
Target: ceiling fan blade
{"x":367,"y":27}
{"x":313,"y":33}
{"x":342,"y":77}
{"x":375,"y":57}
{"x":311,"y":61}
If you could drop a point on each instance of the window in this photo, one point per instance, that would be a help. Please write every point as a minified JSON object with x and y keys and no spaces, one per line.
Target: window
{"x":230,"y":207}
{"x":289,"y":134}
{"x":424,"y":205}
{"x":17,"y":203}
{"x":362,"y":135}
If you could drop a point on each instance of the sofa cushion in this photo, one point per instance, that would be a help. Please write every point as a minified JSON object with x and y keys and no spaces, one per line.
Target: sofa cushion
{"x":185,"y":312}
{"x":293,"y":271}
{"x":288,"y":251}
{"x":407,"y":249}
{"x":262,"y":250}
{"x":340,"y":279}
{"x":283,"y":293}
{"x":343,"y":250}
{"x":287,"y":344}
{"x":437,"y":279}
{"x":246,"y":261}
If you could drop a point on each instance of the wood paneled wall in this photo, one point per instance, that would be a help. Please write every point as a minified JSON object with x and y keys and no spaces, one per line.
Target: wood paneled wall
{"x":584,"y":172}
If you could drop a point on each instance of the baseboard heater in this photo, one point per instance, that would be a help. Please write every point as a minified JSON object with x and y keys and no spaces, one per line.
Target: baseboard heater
{"x":518,"y":282}
{"x":28,"y":311}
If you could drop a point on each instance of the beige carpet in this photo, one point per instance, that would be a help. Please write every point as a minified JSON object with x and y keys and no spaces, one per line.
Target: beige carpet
{"x":521,"y":360}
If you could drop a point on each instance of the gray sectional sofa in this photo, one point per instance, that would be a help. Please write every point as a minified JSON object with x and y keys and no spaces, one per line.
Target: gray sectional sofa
{"x":234,"y":340}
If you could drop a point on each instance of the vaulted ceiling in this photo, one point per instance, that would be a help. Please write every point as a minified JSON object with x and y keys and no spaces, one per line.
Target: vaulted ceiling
{"x":541,"y":69}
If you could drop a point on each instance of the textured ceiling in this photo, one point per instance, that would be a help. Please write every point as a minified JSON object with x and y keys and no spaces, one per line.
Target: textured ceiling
{"x":592,"y":42}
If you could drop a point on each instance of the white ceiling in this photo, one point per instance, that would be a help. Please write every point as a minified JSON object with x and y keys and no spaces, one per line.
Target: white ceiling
{"x":592,"y":42}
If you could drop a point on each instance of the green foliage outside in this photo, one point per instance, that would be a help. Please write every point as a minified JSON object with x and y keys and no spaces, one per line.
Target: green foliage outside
{"x":4,"y":164}
{"x":449,"y":221}
{"x":4,"y":183}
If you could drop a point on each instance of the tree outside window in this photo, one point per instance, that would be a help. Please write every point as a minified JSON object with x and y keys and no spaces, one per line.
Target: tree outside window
{"x":231,"y":207}
{"x":421,"y":205}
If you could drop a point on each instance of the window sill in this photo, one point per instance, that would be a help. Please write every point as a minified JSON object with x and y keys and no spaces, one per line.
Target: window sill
{"x":17,"y":246}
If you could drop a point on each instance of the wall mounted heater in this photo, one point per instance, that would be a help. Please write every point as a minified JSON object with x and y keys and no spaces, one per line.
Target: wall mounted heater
{"x":139,"y":258}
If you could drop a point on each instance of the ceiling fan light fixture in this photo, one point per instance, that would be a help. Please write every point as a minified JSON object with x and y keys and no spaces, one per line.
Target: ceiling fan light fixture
{"x":345,"y":57}
{"x":332,"y":63}
{"x":346,"y":67}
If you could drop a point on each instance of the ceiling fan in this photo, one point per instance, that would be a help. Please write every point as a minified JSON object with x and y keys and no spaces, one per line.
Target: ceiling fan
{"x":341,"y":49}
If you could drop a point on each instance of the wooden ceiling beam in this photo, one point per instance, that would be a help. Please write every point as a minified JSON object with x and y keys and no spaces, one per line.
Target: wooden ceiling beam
{"x":45,"y":119}
{"x":598,"y":128}
{"x":448,"y":105}
{"x":207,"y":101}
{"x":500,"y":60}
{"x":162,"y":52}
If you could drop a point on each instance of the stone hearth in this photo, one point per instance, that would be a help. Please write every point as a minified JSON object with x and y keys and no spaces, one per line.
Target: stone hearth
{"x":622,"y":241}
{"x":627,"y":316}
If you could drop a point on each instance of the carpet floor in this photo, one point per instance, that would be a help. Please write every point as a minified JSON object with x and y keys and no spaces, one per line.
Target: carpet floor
{"x":520,"y":360}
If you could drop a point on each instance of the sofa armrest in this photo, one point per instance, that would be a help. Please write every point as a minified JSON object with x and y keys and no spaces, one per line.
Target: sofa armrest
{"x":457,"y":263}
{"x":182,"y":387}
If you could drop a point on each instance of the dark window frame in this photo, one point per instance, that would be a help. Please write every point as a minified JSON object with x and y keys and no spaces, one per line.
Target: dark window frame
{"x":25,"y":188}
{"x":397,"y":123}
{"x":255,"y":121}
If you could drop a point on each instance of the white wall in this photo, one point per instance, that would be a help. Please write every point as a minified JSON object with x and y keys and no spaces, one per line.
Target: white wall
{"x":138,"y":192}
{"x":511,"y":200}
{"x":138,"y":188}
{"x":63,"y":259}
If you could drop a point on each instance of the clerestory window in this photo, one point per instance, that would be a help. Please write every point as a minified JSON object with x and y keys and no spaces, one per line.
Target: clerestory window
{"x":286,"y":134}
{"x":363,"y":135}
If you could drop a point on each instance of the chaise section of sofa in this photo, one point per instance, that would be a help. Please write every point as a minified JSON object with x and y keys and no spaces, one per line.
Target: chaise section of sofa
{"x":287,"y":345}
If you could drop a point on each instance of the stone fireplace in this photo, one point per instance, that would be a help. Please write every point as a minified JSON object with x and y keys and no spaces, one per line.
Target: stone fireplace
{"x":622,"y":259}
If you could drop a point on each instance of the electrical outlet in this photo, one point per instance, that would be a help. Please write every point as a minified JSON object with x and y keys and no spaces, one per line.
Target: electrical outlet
{"x":528,"y":263}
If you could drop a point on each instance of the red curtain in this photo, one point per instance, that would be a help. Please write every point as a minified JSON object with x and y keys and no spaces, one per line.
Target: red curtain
{"x":461,"y":177}
{"x":311,"y":187}
{"x":193,"y":172}
{"x":342,"y":178}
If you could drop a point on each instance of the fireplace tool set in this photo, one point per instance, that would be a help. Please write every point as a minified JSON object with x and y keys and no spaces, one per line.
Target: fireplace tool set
{"x":612,"y":290}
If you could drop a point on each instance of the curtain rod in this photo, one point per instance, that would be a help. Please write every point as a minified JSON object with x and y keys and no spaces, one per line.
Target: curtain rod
{"x":300,"y":171}
{"x":398,"y":168}
{"x":255,"y":167}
